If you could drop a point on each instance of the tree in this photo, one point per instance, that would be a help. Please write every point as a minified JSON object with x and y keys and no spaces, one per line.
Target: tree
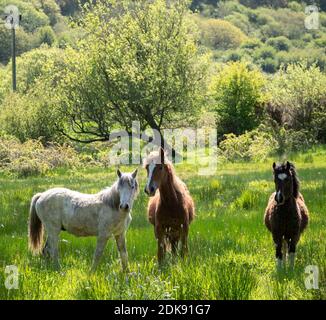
{"x":138,"y":61}
{"x":36,"y":115}
{"x":239,"y":98}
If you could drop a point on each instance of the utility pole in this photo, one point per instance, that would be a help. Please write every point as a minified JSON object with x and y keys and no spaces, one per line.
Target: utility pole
{"x":13,"y":51}
{"x":12,"y":20}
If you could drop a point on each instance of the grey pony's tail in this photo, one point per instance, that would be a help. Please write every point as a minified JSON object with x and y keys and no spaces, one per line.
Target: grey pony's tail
{"x":35,"y":230}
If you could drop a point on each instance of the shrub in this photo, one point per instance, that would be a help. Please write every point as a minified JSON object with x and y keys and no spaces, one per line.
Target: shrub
{"x":32,"y":158}
{"x":239,"y":20}
{"x":238,"y":93}
{"x":265,"y":52}
{"x":269,"y":65}
{"x":254,"y":145}
{"x":279,"y":43}
{"x":46,"y":35}
{"x":297,"y":95}
{"x":27,"y":117}
{"x":251,"y":44}
{"x":220,"y":34}
{"x":292,"y":140}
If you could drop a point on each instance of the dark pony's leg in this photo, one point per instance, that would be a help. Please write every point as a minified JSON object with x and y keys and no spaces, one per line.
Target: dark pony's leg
{"x":292,"y":248}
{"x":278,"y":246}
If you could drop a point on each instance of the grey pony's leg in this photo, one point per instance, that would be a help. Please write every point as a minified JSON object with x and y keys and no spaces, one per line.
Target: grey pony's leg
{"x":53,"y":242}
{"x":46,"y":249}
{"x":121,"y":244}
{"x":100,"y":246}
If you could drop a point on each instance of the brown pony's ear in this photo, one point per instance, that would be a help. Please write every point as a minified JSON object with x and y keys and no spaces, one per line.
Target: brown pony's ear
{"x":274,"y":165}
{"x":162,"y":154}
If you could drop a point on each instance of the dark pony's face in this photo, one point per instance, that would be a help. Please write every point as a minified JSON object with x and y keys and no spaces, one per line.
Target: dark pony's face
{"x":283,"y":182}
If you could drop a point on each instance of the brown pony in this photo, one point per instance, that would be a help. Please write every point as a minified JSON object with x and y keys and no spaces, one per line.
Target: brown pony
{"x":286,"y":215}
{"x":171,"y":208}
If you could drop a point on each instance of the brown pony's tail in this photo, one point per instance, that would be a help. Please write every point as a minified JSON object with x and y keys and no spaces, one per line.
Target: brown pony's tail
{"x":35,"y":231}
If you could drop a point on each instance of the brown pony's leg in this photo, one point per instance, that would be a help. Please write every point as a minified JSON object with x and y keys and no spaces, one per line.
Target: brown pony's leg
{"x":160,"y":245}
{"x":184,"y":241}
{"x":174,"y":245}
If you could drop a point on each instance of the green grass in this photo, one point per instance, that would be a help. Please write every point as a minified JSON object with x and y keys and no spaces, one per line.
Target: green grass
{"x":231,"y":251}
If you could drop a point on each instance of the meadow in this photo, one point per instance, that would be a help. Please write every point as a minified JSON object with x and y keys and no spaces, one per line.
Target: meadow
{"x":231,"y":251}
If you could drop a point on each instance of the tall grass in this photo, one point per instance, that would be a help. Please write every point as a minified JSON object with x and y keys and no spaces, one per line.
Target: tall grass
{"x":231,"y":251}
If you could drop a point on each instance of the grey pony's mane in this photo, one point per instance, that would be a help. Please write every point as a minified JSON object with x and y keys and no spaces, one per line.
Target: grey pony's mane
{"x":111,"y":196}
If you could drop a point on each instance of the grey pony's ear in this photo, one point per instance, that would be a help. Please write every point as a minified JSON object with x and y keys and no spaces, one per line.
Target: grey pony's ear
{"x":134,"y":174}
{"x":119,"y":173}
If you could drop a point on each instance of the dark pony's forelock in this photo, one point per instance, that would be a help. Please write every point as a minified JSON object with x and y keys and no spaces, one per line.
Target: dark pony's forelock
{"x":296,"y":182}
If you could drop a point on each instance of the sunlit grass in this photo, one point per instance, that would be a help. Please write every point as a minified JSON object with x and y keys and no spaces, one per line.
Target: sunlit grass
{"x":231,"y":252}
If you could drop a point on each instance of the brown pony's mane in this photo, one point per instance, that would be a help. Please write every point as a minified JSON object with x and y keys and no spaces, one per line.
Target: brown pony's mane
{"x":177,"y":185}
{"x":171,"y":209}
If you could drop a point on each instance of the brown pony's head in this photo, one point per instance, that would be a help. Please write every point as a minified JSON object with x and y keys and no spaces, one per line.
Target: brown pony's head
{"x":157,"y":166}
{"x":286,"y":182}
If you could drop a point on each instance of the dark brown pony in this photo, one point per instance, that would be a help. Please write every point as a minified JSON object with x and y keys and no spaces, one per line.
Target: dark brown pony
{"x":286,"y":215}
{"x":171,"y":208}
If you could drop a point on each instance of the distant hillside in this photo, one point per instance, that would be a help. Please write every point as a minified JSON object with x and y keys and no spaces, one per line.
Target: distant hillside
{"x":265,"y":36}
{"x":198,"y":4}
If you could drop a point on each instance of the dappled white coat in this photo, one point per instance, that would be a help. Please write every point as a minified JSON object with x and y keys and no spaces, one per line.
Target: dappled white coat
{"x":103,"y":214}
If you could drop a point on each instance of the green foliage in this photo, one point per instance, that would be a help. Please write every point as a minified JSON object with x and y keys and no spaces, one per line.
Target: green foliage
{"x":27,"y":117}
{"x":267,"y":3}
{"x":32,"y":158}
{"x":143,"y":64}
{"x":32,"y":113}
{"x":32,"y":66}
{"x":46,"y":35}
{"x":238,"y":93}
{"x":254,"y":145}
{"x":41,"y":23}
{"x":279,"y":43}
{"x":70,"y":7}
{"x":297,"y":97}
{"x":220,"y":34}
{"x":289,"y":140}
{"x":24,"y":42}
{"x":51,"y":9}
{"x":269,"y":65}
